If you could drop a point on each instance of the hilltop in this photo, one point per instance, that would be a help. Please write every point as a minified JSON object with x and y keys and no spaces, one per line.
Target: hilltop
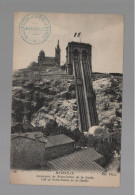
{"x":49,"y":95}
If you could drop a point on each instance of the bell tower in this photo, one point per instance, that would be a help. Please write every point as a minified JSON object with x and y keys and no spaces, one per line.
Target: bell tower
{"x":57,"y":54}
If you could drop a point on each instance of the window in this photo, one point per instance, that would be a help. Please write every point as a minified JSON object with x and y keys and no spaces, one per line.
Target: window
{"x":65,"y":148}
{"x":84,"y":55}
{"x":76,"y":54}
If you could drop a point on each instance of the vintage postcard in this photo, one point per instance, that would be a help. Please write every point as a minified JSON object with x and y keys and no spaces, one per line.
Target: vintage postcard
{"x":66,"y":116}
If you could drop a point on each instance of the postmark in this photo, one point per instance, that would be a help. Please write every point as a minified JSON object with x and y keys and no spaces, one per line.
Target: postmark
{"x":35,"y":28}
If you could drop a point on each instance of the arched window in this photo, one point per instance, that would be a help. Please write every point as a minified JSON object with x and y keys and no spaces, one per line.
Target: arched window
{"x":84,"y":55}
{"x":76,"y":54}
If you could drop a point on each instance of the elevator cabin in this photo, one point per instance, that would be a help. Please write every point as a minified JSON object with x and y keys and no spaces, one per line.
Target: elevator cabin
{"x":78,"y":63}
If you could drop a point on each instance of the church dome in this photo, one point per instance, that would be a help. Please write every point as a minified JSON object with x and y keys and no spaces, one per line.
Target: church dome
{"x":41,"y":53}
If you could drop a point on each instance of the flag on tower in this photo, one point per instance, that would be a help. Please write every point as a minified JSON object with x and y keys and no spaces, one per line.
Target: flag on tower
{"x":77,"y":34}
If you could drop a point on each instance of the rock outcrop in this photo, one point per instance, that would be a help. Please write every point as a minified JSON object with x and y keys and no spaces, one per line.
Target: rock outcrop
{"x":55,"y":100}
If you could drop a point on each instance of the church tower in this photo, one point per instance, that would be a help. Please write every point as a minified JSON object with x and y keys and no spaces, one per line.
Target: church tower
{"x":57,"y":54}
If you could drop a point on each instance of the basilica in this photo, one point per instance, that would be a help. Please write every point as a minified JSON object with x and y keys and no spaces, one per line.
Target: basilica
{"x":50,"y":61}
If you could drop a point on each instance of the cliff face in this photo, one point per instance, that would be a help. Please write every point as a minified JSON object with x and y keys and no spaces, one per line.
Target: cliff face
{"x":54,"y":100}
{"x":45,"y":100}
{"x":109,"y":101}
{"x":62,"y":111}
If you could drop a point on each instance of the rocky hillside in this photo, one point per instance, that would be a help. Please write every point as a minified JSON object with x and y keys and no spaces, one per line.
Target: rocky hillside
{"x":44,"y":100}
{"x":109,"y":101}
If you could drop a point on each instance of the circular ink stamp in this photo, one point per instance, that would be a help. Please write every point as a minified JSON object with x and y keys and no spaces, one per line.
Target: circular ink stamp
{"x":35,"y":28}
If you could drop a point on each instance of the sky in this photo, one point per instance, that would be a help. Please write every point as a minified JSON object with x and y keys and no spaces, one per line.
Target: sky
{"x":103,"y":32}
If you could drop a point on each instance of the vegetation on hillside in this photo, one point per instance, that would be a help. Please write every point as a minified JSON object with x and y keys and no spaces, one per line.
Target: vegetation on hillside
{"x":51,"y":107}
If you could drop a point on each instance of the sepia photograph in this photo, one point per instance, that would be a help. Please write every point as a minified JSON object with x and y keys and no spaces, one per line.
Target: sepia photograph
{"x":66,"y":115}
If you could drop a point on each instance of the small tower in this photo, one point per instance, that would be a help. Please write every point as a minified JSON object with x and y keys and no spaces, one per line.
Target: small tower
{"x":57,"y":54}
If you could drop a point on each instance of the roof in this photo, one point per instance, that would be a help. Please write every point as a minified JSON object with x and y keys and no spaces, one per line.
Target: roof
{"x":30,"y":135}
{"x":82,"y":160}
{"x":24,"y":126}
{"x":50,"y":141}
{"x":79,"y":44}
{"x":48,"y":57}
{"x":58,"y":140}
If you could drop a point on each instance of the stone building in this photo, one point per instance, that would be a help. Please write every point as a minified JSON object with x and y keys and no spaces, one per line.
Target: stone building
{"x":30,"y":150}
{"x":33,"y":151}
{"x":51,"y":61}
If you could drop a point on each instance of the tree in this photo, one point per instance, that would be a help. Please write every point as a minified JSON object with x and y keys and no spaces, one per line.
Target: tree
{"x":106,"y":150}
{"x":51,"y":128}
